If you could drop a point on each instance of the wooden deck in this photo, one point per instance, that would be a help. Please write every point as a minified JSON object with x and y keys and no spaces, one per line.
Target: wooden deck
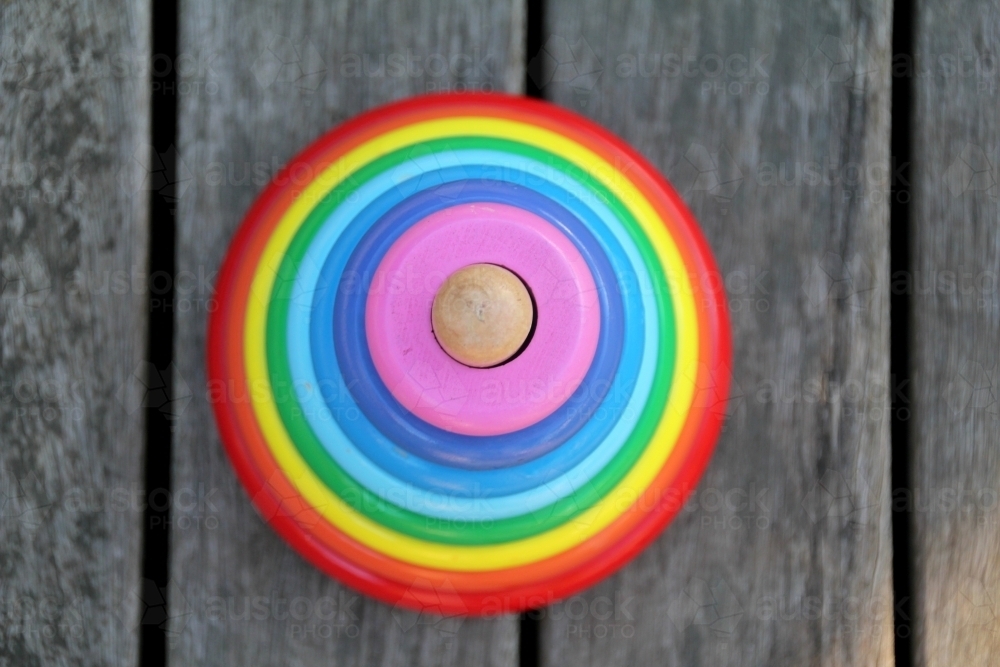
{"x":774,"y":120}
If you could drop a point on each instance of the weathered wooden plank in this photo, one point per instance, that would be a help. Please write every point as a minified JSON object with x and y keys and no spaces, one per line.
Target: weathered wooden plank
{"x":275,"y":76}
{"x":74,"y":123}
{"x":956,"y":333}
{"x":772,"y":120}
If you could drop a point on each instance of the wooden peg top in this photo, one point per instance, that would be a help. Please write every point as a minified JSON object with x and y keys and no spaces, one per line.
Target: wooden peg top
{"x":482,"y":315}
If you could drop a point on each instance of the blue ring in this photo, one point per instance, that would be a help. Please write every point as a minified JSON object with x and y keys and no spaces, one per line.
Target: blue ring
{"x":412,"y":469}
{"x":475,"y":501}
{"x":417,"y":436}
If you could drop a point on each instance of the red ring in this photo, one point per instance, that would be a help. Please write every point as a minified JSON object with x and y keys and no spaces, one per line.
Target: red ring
{"x":714,"y":335}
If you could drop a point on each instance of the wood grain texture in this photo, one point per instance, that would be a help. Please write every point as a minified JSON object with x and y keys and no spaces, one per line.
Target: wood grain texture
{"x":772,"y":121}
{"x":275,"y":76}
{"x":956,"y":333}
{"x":74,"y":123}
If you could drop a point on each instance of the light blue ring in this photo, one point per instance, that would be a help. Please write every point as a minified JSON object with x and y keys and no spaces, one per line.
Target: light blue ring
{"x":326,"y":366}
{"x":367,"y":240}
{"x":453,"y":506}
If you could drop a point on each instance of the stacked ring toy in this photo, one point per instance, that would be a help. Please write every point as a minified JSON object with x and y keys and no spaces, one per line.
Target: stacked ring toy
{"x":407,"y":474}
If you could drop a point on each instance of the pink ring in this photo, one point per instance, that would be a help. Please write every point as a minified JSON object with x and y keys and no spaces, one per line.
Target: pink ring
{"x":477,"y":401}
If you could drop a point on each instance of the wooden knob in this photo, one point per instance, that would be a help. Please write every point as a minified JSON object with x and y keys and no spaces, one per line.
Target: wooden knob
{"x":482,"y":315}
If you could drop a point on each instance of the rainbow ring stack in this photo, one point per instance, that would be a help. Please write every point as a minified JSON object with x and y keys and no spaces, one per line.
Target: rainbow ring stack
{"x":415,"y":478}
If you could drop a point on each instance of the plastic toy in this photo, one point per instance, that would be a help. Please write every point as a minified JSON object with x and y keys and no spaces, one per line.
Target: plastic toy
{"x":515,"y":479}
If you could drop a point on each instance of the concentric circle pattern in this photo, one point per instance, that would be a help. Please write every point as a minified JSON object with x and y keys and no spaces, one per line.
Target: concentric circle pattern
{"x":478,"y":401}
{"x":430,"y":484}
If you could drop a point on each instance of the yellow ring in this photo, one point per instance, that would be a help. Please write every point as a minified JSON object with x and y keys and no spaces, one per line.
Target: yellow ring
{"x":486,"y":557}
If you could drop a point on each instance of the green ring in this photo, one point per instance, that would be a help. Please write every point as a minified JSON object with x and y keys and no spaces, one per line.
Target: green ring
{"x":417,"y":525}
